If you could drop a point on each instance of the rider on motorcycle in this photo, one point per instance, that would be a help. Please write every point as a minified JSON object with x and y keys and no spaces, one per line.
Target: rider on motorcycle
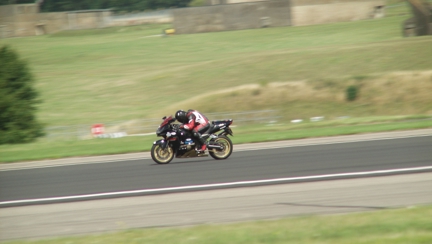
{"x":197,"y":123}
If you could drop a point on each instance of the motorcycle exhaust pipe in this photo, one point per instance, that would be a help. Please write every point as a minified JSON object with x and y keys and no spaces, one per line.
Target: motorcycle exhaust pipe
{"x":215,"y":147}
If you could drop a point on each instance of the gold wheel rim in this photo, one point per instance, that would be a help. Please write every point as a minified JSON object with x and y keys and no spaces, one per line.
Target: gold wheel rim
{"x":227,"y":147}
{"x":163,"y":155}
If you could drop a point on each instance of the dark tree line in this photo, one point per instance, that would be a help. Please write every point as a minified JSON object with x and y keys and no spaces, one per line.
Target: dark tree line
{"x":116,"y":5}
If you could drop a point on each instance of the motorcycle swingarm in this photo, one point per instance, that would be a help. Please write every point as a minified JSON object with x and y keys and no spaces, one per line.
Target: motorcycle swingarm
{"x":217,"y":147}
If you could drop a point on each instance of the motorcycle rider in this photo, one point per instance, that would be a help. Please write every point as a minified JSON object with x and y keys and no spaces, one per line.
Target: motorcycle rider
{"x":196,"y":122}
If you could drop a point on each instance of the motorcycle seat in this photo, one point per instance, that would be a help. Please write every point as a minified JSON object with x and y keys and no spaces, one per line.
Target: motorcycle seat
{"x":221,"y":121}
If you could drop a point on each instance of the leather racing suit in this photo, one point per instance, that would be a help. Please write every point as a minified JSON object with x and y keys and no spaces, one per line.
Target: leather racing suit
{"x":198,"y":124}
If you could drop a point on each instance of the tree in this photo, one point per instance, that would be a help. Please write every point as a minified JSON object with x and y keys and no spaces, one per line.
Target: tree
{"x":116,"y":5}
{"x":18,"y":123}
{"x":6,"y":2}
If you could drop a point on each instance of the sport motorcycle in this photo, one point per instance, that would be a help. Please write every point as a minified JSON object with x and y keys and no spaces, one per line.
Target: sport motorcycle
{"x":180,"y":143}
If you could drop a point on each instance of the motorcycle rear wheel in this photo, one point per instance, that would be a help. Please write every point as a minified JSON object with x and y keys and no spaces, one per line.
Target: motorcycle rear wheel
{"x":227,"y":148}
{"x":161,"y":156}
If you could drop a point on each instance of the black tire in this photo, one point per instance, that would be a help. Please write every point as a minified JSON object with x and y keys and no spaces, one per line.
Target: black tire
{"x":226,"y":152}
{"x":161,"y":156}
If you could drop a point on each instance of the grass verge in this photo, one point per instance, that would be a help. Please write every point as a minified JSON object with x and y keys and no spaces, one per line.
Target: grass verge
{"x":396,"y":226}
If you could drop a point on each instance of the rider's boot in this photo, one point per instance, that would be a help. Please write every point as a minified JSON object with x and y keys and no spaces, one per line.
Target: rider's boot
{"x":201,"y":146}
{"x":202,"y":149}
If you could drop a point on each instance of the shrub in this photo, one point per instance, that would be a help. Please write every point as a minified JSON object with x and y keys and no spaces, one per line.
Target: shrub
{"x":256,"y":92}
{"x":352,"y":93}
{"x":17,"y":100}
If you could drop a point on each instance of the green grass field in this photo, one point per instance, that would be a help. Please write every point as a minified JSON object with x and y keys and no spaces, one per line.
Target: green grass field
{"x":396,"y":226}
{"x":129,"y":73}
{"x":86,"y":77}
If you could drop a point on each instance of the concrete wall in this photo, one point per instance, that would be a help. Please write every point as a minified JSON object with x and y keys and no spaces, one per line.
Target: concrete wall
{"x":225,"y":15}
{"x":25,"y":20}
{"x":88,"y":19}
{"x":6,"y":21}
{"x":141,"y":21}
{"x":312,"y":12}
{"x":158,"y":16}
{"x":51,"y":23}
{"x":17,"y":20}
{"x":231,"y":17}
{"x":422,"y":12}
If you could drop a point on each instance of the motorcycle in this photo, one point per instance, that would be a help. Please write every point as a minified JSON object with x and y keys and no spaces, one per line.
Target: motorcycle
{"x":181,"y":144}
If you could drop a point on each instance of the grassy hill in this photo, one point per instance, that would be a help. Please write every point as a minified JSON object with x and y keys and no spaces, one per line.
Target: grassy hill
{"x":129,"y":73}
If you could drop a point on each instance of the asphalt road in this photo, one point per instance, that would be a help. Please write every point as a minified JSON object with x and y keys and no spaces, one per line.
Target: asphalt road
{"x":252,"y":165}
{"x":215,"y":206}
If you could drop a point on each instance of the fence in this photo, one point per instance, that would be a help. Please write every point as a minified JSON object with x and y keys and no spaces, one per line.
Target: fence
{"x":148,"y":126}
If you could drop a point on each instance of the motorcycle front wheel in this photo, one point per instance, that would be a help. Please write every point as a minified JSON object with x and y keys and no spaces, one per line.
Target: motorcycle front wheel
{"x":227,"y":148}
{"x":162,"y":156}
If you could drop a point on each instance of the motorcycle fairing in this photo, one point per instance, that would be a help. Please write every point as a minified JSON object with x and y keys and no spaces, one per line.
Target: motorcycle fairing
{"x":162,"y":142}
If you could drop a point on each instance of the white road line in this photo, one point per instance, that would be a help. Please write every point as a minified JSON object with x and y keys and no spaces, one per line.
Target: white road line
{"x":205,"y":186}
